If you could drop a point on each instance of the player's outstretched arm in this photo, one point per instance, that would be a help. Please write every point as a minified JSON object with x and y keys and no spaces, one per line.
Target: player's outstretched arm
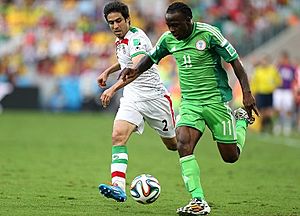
{"x":248,"y":98}
{"x":109,"y":93}
{"x":144,"y":64}
{"x":102,"y":78}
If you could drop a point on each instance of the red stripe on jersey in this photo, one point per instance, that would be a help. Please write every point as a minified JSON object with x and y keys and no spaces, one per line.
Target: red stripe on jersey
{"x":118,"y":174}
{"x":123,"y":41}
{"x":171,"y":108}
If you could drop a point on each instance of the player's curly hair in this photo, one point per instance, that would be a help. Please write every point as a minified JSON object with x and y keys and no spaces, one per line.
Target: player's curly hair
{"x":116,"y":6}
{"x":182,"y":8}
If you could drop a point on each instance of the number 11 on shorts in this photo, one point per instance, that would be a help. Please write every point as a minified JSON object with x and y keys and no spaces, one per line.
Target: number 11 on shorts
{"x":226,"y":125}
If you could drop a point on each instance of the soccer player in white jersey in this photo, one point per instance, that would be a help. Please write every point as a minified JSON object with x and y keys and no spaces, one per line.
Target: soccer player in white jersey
{"x":144,"y":99}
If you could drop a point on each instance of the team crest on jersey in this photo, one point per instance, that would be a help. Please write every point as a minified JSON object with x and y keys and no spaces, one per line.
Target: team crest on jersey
{"x":200,"y":45}
{"x":121,"y":48}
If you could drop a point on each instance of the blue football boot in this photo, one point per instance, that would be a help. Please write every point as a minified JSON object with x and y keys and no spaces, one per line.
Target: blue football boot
{"x":113,"y":192}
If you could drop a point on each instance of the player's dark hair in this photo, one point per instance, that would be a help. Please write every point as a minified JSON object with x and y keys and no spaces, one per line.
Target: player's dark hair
{"x":182,"y":8}
{"x":116,"y":6}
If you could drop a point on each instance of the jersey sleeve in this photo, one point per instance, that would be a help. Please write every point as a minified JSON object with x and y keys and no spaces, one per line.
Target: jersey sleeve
{"x":138,"y":45}
{"x":160,"y":50}
{"x":222,"y":46}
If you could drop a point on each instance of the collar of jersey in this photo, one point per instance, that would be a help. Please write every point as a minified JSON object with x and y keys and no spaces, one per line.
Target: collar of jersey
{"x":125,"y":36}
{"x":188,"y":38}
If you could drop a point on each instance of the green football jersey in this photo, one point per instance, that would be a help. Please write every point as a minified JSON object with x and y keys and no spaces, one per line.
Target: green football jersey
{"x":198,"y":59}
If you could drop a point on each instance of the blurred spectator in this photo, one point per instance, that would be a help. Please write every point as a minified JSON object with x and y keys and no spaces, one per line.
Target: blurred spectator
{"x":297,"y":96}
{"x":265,"y":80}
{"x":6,"y":87}
{"x":44,"y":39}
{"x":283,"y":96}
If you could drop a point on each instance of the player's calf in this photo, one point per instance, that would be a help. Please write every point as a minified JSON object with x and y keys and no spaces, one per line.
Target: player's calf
{"x":170,"y":143}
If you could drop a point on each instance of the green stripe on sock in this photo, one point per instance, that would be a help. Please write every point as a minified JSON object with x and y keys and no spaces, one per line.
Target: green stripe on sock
{"x":119,"y":149}
{"x":191,"y":176}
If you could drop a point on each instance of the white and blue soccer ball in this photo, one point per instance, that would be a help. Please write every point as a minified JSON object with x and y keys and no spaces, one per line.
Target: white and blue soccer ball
{"x":145,"y":189}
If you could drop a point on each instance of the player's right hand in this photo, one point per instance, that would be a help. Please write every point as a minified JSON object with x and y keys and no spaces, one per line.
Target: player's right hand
{"x":250,"y":104}
{"x":101,"y":80}
{"x":106,"y":97}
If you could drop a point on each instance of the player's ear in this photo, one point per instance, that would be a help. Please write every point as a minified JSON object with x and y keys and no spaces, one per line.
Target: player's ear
{"x":189,"y":20}
{"x":128,"y":20}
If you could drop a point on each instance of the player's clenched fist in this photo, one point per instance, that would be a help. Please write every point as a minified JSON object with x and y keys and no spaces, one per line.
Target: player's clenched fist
{"x":102,"y":78}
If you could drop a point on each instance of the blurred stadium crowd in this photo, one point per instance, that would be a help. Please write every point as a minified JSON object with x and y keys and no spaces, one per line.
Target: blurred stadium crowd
{"x":60,"y":47}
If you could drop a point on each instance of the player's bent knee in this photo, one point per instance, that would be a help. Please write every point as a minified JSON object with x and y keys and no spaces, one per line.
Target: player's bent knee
{"x":230,"y":158}
{"x":170,"y":143}
{"x":229,"y":152}
{"x":172,"y":147}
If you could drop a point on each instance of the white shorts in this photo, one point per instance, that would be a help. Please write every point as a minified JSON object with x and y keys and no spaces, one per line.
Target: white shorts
{"x":283,"y":100}
{"x":158,"y":113}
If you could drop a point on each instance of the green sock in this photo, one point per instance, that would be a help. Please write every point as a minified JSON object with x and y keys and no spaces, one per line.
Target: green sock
{"x":191,"y":176}
{"x":241,"y":128}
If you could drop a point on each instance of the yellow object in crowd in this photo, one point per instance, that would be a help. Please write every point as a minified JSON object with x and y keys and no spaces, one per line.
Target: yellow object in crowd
{"x":265,"y":79}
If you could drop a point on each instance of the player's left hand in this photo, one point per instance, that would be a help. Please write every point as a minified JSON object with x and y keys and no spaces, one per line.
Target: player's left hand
{"x":128,"y":73}
{"x":250,"y":104}
{"x":106,"y":97}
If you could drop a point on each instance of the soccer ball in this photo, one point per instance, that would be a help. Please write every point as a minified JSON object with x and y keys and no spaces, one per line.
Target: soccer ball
{"x":145,"y":189}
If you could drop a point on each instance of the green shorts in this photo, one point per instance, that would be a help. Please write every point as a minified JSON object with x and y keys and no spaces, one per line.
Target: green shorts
{"x":217,"y":117}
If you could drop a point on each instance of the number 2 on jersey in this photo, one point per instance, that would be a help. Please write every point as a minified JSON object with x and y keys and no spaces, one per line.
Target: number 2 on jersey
{"x":187,"y":61}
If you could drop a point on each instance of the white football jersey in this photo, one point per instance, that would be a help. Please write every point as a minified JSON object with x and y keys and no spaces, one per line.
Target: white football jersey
{"x":148,"y":85}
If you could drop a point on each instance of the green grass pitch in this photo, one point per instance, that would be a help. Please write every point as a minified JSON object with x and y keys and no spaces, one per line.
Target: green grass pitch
{"x":52,"y":164}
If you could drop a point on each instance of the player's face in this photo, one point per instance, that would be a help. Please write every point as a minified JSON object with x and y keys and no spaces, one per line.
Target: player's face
{"x":118,"y":24}
{"x":178,"y":25}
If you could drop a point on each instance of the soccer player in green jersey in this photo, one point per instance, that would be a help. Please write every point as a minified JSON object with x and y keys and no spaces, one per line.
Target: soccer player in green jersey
{"x":198,"y":49}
